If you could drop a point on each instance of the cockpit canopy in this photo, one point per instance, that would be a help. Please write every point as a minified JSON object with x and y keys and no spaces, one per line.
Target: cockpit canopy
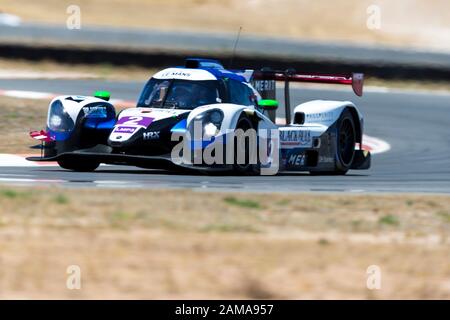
{"x":189,"y":94}
{"x":179,"y":94}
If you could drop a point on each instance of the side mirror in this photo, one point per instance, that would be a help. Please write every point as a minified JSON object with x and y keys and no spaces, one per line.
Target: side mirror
{"x":104,"y":95}
{"x":268,"y":104}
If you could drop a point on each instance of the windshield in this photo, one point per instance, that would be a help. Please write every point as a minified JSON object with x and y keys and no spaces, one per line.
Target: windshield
{"x":179,"y":94}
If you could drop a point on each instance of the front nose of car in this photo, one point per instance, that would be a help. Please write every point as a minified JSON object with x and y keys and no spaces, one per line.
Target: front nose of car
{"x":154,"y":138}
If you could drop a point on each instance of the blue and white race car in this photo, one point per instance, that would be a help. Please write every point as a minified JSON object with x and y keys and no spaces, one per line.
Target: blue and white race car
{"x":202,"y":116}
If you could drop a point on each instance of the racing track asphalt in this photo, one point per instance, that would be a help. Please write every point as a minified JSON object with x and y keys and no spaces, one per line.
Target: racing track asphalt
{"x":416,"y":125}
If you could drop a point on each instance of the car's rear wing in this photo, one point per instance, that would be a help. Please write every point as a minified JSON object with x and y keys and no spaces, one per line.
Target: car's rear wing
{"x":356,"y":80}
{"x":264,"y":81}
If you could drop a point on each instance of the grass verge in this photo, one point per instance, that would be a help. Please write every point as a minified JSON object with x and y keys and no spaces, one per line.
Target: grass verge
{"x":18,"y":117}
{"x":184,"y":244}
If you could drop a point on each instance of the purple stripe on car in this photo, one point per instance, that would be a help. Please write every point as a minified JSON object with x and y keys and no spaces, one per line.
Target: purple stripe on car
{"x":135,"y":121}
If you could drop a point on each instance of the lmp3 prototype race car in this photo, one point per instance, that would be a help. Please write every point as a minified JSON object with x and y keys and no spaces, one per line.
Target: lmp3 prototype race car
{"x":204,"y":117}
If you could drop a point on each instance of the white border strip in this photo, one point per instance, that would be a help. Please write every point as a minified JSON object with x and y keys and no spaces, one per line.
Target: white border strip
{"x":15,"y":160}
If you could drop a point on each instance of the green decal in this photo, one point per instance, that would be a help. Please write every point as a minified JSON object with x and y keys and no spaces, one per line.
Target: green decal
{"x":105,"y":95}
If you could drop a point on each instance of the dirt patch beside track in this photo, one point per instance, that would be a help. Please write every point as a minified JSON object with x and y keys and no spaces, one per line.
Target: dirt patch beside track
{"x":184,"y":244}
{"x":18,"y":116}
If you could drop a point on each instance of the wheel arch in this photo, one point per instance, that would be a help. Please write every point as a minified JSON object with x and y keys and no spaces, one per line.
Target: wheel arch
{"x":357,"y":121}
{"x":327,"y":112}
{"x":253,"y":116}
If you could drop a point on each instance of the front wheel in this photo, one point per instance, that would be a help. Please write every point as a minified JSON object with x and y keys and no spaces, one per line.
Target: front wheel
{"x":78,"y":166}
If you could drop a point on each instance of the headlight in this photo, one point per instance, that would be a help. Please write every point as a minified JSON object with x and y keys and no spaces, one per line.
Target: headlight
{"x":216,"y":117}
{"x":210,"y":130}
{"x":58,"y":119}
{"x":211,"y":122}
{"x":55,"y":121}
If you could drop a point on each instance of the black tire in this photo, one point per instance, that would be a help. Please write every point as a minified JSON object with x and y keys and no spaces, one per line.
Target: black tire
{"x":79,"y":166}
{"x":345,"y":145}
{"x":246,"y":168}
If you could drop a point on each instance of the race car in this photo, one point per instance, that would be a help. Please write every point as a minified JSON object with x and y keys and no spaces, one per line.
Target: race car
{"x":199,"y":109}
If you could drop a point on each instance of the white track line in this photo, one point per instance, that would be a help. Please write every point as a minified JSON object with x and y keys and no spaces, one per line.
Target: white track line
{"x":26,"y":94}
{"x":14,"y":74}
{"x":13,"y":160}
{"x":31,"y":181}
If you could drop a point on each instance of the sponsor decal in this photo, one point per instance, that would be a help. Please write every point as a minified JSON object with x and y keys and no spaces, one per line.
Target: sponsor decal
{"x":151,"y":135}
{"x":136,"y":121}
{"x":296,"y":160}
{"x":124,"y":129}
{"x":321,"y":116}
{"x":264,"y":85}
{"x":295,"y":137}
{"x":323,"y":159}
{"x":176,"y":74}
{"x":95,"y":112}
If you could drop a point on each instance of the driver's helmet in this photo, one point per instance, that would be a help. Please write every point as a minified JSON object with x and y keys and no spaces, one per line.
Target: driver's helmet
{"x":206,"y":96}
{"x":181,"y":95}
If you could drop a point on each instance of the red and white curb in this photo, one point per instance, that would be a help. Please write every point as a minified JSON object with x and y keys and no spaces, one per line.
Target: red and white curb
{"x":36,"y":95}
{"x":375,"y":145}
{"x":14,"y":74}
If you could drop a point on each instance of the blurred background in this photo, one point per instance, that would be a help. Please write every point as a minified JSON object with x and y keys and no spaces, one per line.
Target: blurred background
{"x":206,"y":237}
{"x":406,"y":23}
{"x":406,"y":40}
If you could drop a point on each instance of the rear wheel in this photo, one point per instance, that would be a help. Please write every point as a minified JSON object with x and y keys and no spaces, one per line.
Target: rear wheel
{"x":79,"y":166}
{"x":345,"y":145}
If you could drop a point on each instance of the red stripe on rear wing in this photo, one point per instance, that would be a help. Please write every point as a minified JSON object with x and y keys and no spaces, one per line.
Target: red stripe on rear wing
{"x":356,"y":80}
